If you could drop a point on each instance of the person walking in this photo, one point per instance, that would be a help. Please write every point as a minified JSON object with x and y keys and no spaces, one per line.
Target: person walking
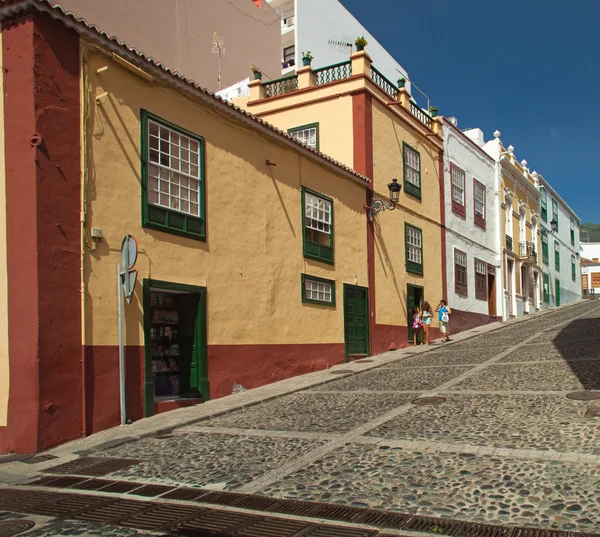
{"x":417,"y":325}
{"x":426,"y":318}
{"x":444,"y":312}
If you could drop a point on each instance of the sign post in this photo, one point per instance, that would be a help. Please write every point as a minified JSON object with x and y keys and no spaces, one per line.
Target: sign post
{"x":126,"y":279}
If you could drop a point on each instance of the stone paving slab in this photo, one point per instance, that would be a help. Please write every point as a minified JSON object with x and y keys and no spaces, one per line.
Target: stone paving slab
{"x":567,"y":337}
{"x":207,"y":459}
{"x":415,"y":378}
{"x":464,"y":486}
{"x":312,"y":412}
{"x":449,"y":357}
{"x":509,"y":421}
{"x":555,"y":376}
{"x":576,"y":350}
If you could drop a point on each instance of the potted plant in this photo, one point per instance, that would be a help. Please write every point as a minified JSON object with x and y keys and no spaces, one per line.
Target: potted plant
{"x":257,"y":74}
{"x":360,"y":43}
{"x":433,"y":111}
{"x":306,"y":58}
{"x":401,"y":82}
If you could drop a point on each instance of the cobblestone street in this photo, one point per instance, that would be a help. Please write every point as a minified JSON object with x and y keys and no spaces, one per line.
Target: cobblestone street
{"x":498,"y":441}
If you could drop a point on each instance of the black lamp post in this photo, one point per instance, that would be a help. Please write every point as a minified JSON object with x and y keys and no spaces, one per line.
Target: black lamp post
{"x":379,"y":204}
{"x":553,"y":225}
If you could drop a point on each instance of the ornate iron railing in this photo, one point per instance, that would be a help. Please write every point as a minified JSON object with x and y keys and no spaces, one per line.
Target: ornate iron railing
{"x":420,"y":114}
{"x":509,"y":243}
{"x":527,"y":249}
{"x":279,"y":86}
{"x":331,"y":73}
{"x":383,"y":83}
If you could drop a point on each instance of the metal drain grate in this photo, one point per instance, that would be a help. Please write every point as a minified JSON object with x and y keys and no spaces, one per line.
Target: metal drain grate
{"x":423,"y":401}
{"x":256,"y":503}
{"x":39,"y":458}
{"x":92,"y":466}
{"x":151,"y":491}
{"x":164,"y":516}
{"x":341,"y":372}
{"x":59,"y":482}
{"x":337,"y":512}
{"x":373,"y":517}
{"x":364,"y":361}
{"x":274,"y":527}
{"x":583,"y":396}
{"x":114,"y":512}
{"x":91,"y":484}
{"x":221,"y":498}
{"x":215,"y":522}
{"x":69,"y":505}
{"x":121,"y":487}
{"x":26,"y":501}
{"x":185,"y":493}
{"x":296,"y":507}
{"x":9,"y":528}
{"x":331,"y":531}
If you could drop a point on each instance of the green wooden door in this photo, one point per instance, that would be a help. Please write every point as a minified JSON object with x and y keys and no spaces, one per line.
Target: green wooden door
{"x":356,"y":320}
{"x":557,"y":292}
{"x":414,"y":297}
{"x":546,"y":288}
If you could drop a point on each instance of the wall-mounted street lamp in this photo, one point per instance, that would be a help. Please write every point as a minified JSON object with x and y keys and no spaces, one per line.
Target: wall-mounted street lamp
{"x":553,"y":225}
{"x":378,"y":204}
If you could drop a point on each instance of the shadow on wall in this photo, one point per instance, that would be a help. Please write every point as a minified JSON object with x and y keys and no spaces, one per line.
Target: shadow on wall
{"x":577,"y":344}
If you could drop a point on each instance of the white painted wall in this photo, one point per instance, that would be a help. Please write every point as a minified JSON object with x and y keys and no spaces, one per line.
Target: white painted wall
{"x":318,"y":21}
{"x":590,"y":250}
{"x":589,"y":270}
{"x":462,"y":233}
{"x":570,"y":290}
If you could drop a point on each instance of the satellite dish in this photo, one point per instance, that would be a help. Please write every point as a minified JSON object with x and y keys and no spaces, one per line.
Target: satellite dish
{"x":341,"y":43}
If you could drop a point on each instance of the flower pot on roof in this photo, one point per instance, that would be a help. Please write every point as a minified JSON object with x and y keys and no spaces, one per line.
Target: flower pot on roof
{"x":257,"y":74}
{"x":433,"y":111}
{"x":401,"y":82}
{"x":360,"y":43}
{"x":307,"y":58}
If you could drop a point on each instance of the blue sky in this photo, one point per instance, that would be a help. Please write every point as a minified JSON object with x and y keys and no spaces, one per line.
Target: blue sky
{"x":530,"y":70}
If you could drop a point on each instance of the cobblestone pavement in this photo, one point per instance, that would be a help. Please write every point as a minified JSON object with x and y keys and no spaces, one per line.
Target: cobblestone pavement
{"x":504,"y":445}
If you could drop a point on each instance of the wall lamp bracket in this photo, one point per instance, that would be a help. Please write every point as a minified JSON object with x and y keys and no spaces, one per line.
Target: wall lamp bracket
{"x":269,"y":163}
{"x":379,"y":204}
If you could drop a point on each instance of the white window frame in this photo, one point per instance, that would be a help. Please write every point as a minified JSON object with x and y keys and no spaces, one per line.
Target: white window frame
{"x":458,"y":176}
{"x":412,"y":159}
{"x":318,"y":213}
{"x":307,"y":136}
{"x":318,"y":291}
{"x":479,"y":187}
{"x":414,"y":240}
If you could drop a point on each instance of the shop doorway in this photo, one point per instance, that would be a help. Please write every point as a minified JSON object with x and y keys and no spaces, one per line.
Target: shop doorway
{"x":356,"y":321}
{"x":174,"y":343}
{"x":414,"y":297}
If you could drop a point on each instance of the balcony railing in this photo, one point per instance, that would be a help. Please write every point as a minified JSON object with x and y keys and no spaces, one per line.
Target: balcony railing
{"x":509,"y":243}
{"x":279,"y":86}
{"x":331,"y":73}
{"x":420,"y":114}
{"x":383,"y":83}
{"x":527,"y":251}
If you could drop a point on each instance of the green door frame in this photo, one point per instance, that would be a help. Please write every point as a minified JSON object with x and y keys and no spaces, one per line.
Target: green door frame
{"x":366,"y":290}
{"x":556,"y":292}
{"x":200,"y":355}
{"x":409,"y":332}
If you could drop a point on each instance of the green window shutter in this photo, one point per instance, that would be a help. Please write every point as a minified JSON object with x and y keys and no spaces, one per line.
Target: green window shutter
{"x":411,"y":265}
{"x":312,"y":249}
{"x":544,"y":205}
{"x":409,"y":187}
{"x":162,"y":218}
{"x":572,"y":232}
{"x":546,"y":289}
{"x":556,"y":256}
{"x":555,"y":212}
{"x":573,"y":269}
{"x":545,"y":255}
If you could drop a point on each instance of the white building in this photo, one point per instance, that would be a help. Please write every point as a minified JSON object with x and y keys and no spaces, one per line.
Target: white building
{"x":328,"y":30}
{"x":590,"y":272}
{"x":561,"y":250}
{"x":472,"y":229}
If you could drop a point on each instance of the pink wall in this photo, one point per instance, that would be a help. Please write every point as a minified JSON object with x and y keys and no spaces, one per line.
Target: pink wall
{"x":179,"y":33}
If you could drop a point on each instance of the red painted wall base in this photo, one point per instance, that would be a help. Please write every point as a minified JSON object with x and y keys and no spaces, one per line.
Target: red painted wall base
{"x":466,"y":320}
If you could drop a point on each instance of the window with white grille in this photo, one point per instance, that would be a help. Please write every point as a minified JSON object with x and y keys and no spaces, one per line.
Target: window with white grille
{"x":317,"y":213}
{"x":317,"y":291}
{"x":307,"y":135}
{"x":174,"y":170}
{"x":458,"y":185}
{"x":479,"y":195}
{"x":412,"y":167}
{"x":414,"y":250}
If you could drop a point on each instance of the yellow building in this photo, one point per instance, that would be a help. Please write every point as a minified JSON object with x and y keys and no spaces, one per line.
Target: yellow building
{"x":252,"y":248}
{"x":520,"y":236}
{"x":353,"y":113}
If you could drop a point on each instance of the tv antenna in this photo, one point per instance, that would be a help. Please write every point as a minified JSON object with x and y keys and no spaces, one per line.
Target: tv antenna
{"x":218,"y":48}
{"x":341,"y":43}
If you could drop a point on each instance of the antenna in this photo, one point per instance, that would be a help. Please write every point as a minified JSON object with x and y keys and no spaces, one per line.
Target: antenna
{"x":341,"y":43}
{"x":218,"y":48}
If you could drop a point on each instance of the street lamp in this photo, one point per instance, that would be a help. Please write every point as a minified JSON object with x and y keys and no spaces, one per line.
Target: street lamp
{"x":553,"y":225}
{"x":378,"y":204}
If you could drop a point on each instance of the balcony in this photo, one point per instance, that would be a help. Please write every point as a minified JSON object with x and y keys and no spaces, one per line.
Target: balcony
{"x":509,"y":244}
{"x":527,"y":252}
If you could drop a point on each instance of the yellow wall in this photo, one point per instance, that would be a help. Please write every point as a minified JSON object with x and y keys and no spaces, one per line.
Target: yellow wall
{"x":252,"y":259}
{"x":390,"y":270}
{"x":4,"y":362}
{"x":335,"y":125}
